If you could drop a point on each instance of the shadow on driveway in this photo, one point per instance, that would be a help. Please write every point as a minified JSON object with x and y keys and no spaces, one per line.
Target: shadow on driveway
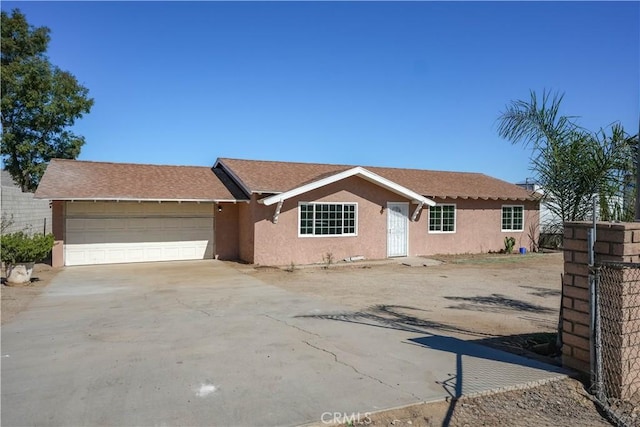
{"x":496,"y":302}
{"x":479,"y":359}
{"x":394,"y":317}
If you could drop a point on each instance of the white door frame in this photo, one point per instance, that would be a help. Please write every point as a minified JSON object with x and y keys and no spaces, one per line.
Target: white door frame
{"x":404,"y":207}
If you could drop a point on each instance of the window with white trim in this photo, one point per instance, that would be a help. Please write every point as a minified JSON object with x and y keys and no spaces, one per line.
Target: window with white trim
{"x":442,"y":219}
{"x":512,"y":218}
{"x":327,"y":219}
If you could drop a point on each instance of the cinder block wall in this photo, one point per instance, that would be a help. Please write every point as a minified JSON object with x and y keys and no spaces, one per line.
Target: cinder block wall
{"x":26,"y":212}
{"x":614,"y":242}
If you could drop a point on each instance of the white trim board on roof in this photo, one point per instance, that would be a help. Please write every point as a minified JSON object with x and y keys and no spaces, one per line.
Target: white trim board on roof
{"x":357,"y":171}
{"x":485,"y":198}
{"x":125,"y":199}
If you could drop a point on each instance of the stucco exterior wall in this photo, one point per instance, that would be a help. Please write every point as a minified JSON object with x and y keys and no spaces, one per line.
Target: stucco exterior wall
{"x":478,"y":227}
{"x":58,"y":208}
{"x":279,"y":244}
{"x":226,"y":231}
{"x":246,"y":226}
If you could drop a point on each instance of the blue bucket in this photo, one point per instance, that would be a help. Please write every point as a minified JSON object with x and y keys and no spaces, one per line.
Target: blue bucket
{"x":523,"y":251}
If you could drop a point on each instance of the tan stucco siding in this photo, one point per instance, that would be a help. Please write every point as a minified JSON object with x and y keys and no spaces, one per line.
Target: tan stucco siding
{"x":280,"y":244}
{"x":478,"y":228}
{"x":226,"y":231}
{"x":57,"y":227}
{"x":246,"y":226}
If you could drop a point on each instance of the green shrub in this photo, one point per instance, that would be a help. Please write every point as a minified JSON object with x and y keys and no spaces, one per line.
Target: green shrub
{"x":509,"y":243}
{"x":20,"y":247}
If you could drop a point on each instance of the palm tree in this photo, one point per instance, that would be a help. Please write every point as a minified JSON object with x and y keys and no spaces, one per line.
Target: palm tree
{"x":570,"y":163}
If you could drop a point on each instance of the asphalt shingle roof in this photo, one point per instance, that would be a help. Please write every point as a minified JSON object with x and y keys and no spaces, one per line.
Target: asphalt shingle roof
{"x":261,"y":176}
{"x":73,"y":179}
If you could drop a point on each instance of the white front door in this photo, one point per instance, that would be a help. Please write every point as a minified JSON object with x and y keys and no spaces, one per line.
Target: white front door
{"x":397,"y":229}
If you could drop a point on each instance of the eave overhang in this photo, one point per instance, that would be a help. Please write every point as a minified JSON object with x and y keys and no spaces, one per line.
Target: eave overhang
{"x":516,"y":199}
{"x":136,"y":199}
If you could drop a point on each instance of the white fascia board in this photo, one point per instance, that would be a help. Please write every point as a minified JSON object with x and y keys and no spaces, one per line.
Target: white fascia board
{"x":129,"y":199}
{"x":359,"y":171}
{"x":260,"y":192}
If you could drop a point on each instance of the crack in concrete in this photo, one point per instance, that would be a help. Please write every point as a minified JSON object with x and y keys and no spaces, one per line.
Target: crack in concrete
{"x":293,"y":326}
{"x":335,"y":358}
{"x":193,"y":308}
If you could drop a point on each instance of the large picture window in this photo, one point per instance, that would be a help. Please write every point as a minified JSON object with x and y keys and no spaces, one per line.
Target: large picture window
{"x":328,"y":219}
{"x":442,"y":218}
{"x":512,"y":218}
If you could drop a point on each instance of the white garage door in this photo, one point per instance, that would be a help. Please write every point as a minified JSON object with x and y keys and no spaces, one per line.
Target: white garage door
{"x":119,"y":232}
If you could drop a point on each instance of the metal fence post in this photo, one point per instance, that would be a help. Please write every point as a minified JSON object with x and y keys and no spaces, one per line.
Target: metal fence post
{"x":594,"y":335}
{"x":592,"y":314}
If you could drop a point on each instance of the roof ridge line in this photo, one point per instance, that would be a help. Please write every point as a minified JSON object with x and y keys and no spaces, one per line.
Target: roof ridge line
{"x":128,"y":163}
{"x":351,"y":166}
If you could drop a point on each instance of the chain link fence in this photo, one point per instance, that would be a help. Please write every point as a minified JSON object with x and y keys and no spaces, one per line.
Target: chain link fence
{"x":616,"y":341}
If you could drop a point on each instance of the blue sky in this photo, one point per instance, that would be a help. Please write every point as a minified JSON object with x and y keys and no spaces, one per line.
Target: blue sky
{"x":410,"y":84}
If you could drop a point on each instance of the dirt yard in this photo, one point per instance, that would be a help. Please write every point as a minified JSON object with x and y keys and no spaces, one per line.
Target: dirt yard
{"x":16,"y":298}
{"x":468,"y":297}
{"x":507,"y":301}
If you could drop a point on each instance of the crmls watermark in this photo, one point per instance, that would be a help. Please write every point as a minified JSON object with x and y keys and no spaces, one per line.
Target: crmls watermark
{"x":353,"y":418}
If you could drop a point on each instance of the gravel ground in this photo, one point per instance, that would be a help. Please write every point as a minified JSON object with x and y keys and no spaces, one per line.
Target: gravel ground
{"x":469,"y":297}
{"x":558,"y":403}
{"x":16,"y":298}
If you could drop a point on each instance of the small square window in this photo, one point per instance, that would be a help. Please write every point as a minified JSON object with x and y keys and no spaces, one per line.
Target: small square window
{"x":512,"y":218}
{"x":442,"y":218}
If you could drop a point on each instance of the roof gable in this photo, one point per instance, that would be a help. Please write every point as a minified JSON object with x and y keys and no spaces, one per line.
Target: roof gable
{"x":271,"y":177}
{"x":357,"y":171}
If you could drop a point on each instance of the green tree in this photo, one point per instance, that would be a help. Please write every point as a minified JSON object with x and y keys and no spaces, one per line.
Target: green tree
{"x":39,"y":103}
{"x":573,"y":164}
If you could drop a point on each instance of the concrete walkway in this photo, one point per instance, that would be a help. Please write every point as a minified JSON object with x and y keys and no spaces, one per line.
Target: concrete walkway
{"x":198,"y":343}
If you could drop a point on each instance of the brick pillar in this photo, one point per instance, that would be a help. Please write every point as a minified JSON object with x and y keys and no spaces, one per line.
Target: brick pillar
{"x":620,"y":321}
{"x":575,"y":298}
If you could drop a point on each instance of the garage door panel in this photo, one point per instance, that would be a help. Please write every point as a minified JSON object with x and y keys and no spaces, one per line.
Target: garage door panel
{"x":114,"y":224}
{"x":116,"y":255}
{"x":135,"y":255}
{"x":93,"y":238}
{"x":75,"y":225}
{"x":172,"y":223}
{"x":80,"y":254}
{"x":135,"y":223}
{"x":173,"y":253}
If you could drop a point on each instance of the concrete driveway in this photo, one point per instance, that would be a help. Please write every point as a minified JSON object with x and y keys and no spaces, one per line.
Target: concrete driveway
{"x":199,"y":343}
